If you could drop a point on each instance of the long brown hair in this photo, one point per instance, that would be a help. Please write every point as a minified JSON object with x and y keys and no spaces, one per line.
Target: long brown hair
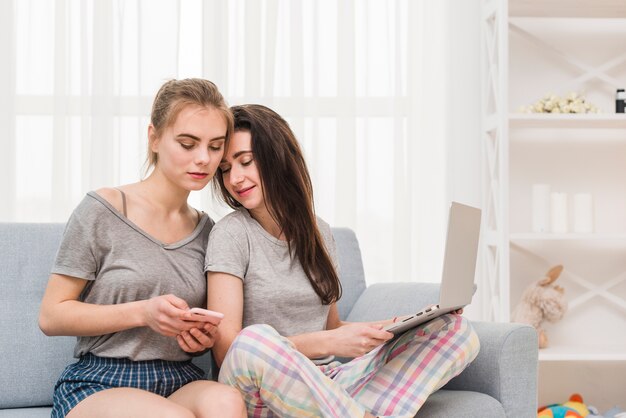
{"x":288,"y":194}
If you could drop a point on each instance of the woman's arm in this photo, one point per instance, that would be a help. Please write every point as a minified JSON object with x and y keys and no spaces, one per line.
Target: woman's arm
{"x":333,"y":318}
{"x":225,"y":295}
{"x":344,"y":339}
{"x":62,"y":313}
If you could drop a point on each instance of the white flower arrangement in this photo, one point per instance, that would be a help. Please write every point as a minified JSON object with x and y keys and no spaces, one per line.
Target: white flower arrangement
{"x":572,"y":103}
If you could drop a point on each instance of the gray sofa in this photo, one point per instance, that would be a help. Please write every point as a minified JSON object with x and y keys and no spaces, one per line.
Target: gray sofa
{"x":501,"y":382}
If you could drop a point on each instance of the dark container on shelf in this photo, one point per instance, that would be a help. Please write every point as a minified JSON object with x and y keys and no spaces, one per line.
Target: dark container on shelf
{"x":620,"y":101}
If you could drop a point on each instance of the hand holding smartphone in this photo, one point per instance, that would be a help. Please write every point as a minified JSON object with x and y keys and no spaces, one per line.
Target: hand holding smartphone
{"x":205,"y":315}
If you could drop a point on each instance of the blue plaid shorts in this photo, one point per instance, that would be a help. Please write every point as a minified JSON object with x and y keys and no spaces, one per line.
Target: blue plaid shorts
{"x":91,"y":374}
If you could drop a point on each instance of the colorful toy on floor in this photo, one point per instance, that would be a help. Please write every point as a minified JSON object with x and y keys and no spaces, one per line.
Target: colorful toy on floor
{"x":574,"y":408}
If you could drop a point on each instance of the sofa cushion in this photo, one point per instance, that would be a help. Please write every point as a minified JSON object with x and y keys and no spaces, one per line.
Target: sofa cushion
{"x":31,"y":362}
{"x":460,"y":403}
{"x":26,"y":413}
{"x":386,"y":300}
{"x":350,"y":269}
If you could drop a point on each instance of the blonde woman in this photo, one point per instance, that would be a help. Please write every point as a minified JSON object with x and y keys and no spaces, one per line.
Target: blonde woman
{"x":129,"y":268}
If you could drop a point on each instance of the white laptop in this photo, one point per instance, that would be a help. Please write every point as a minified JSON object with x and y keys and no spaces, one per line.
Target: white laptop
{"x":459,"y":267}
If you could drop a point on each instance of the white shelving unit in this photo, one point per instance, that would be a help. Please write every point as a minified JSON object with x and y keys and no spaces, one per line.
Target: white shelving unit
{"x":532,"y":48}
{"x":538,"y":236}
{"x":567,"y":121}
{"x":569,"y":353}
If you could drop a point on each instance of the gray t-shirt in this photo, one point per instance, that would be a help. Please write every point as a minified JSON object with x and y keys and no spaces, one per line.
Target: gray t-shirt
{"x":276,"y":290}
{"x":124,"y":264}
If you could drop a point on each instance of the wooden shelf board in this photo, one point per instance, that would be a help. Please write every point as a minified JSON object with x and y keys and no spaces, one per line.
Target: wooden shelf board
{"x":531,"y":236}
{"x":568,"y":8}
{"x":567,"y":121}
{"x":604,"y":353}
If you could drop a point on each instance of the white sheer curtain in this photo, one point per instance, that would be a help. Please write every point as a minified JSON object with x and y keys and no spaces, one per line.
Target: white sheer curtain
{"x":362,"y":82}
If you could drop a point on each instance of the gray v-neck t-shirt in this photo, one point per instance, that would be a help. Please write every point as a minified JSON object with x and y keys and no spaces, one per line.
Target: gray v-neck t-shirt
{"x":122,"y":263}
{"x":276,"y":290}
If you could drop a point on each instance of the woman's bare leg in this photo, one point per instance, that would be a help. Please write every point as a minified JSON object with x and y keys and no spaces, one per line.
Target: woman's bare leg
{"x":207,"y":399}
{"x":128,"y":402}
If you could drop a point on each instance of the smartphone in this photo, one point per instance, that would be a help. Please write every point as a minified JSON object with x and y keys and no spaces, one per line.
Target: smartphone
{"x":206,"y":315}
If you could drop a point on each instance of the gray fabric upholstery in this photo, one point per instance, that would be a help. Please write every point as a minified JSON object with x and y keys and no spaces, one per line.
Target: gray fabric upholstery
{"x":506,"y":367}
{"x":456,"y":403}
{"x":29,"y":359}
{"x":43,"y":412}
{"x":350,"y":269}
{"x":386,"y":300}
{"x":501,"y":382}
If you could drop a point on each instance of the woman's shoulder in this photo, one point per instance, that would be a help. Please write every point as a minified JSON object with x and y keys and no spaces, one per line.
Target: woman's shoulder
{"x":229,"y":232}
{"x":92,"y":205}
{"x":326,"y":232}
{"x":111,"y":195}
{"x":234,"y":224}
{"x":89,"y":215}
{"x":321,"y":223}
{"x":323,"y":226}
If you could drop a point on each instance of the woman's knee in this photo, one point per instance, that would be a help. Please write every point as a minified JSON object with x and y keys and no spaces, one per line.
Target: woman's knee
{"x":259,"y":332}
{"x":451,"y":326}
{"x":253,"y":353}
{"x":248,"y":351}
{"x":251,"y":339}
{"x":173,"y":411}
{"x":464,"y":327}
{"x":225,"y":401}
{"x":466,"y":337}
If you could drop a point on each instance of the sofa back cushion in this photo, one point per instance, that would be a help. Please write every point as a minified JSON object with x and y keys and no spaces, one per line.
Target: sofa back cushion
{"x":350,"y":269}
{"x":31,"y":362}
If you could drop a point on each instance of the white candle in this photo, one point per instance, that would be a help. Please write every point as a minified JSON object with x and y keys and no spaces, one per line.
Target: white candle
{"x":558,"y":212}
{"x":583,"y":213}
{"x":541,"y":207}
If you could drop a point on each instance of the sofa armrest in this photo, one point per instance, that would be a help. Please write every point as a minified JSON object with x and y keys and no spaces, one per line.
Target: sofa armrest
{"x":506,"y":367}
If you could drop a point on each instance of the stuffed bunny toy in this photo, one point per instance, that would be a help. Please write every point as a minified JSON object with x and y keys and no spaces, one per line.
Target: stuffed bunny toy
{"x":542,"y":301}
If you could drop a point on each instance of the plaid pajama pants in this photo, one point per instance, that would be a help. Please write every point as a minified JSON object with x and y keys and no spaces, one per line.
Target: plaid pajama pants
{"x":392,"y":380}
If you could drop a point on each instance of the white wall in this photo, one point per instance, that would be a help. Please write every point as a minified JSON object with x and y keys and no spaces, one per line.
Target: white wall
{"x":464,"y":150}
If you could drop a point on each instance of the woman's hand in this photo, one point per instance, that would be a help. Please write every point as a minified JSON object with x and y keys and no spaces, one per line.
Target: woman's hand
{"x":198,"y":339}
{"x":356,"y":339}
{"x":164,"y":314}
